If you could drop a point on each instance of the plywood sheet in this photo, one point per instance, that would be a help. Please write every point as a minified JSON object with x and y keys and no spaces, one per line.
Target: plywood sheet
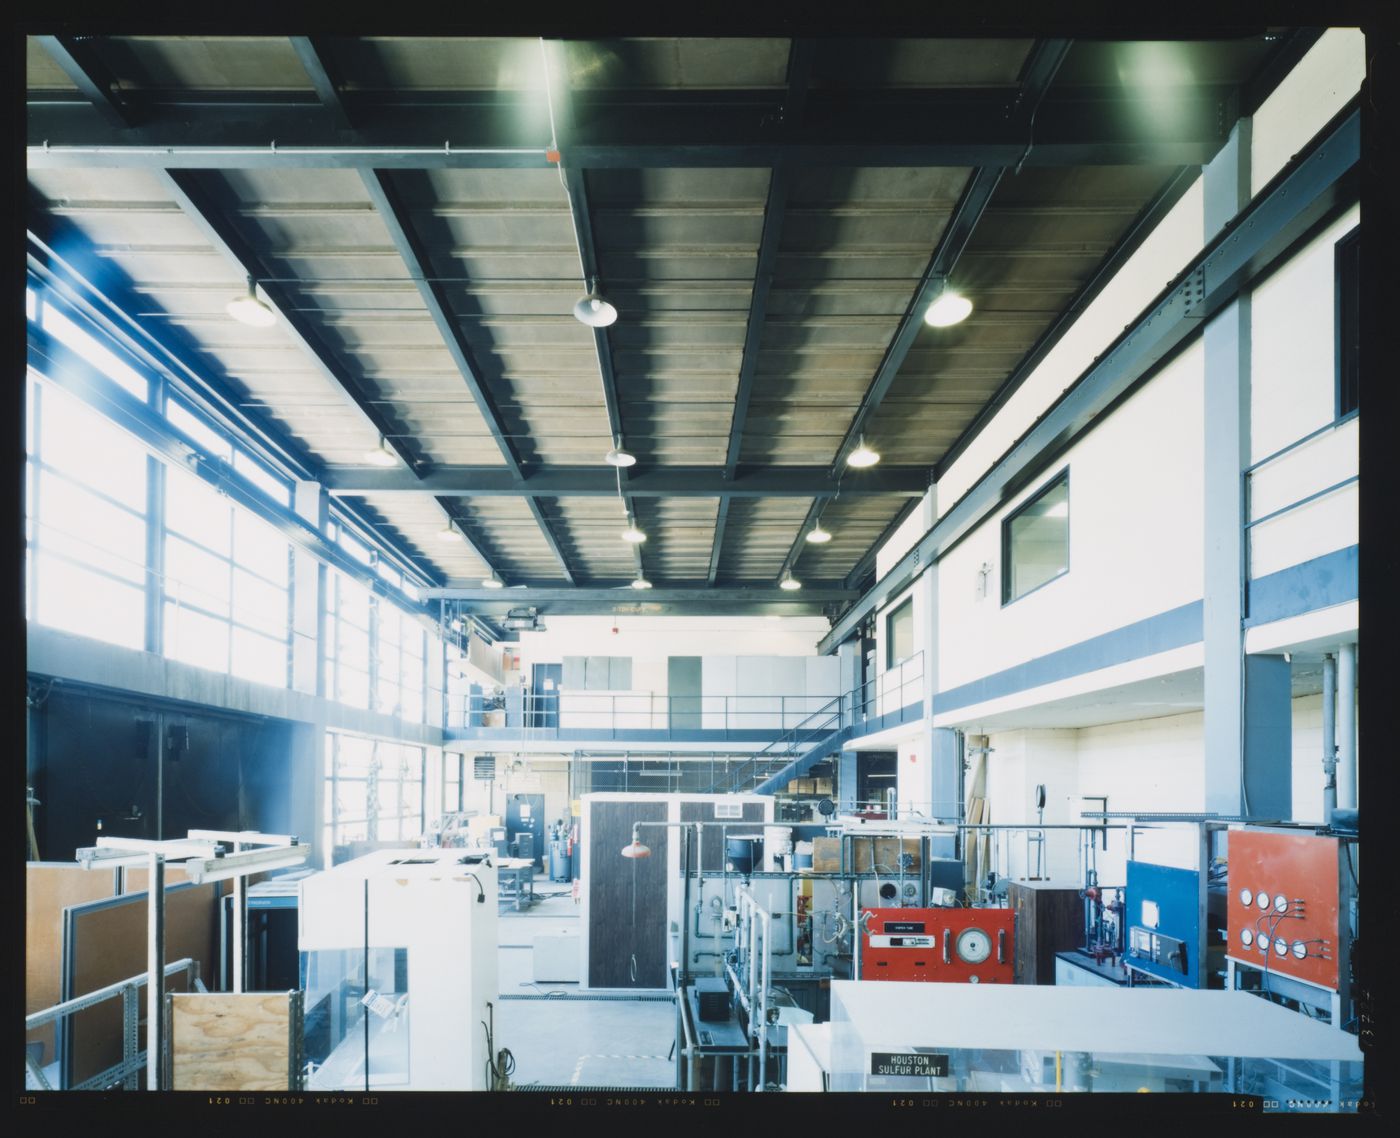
{"x":49,"y":888}
{"x":222,"y":1041}
{"x":105,"y":941}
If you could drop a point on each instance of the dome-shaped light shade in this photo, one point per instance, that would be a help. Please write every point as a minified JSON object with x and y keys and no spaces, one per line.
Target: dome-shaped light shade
{"x":818,"y":536}
{"x":862,"y":456}
{"x":641,"y":583}
{"x":619,"y":457}
{"x":790,"y":583}
{"x":594,"y":311}
{"x":633,"y":536}
{"x":381,"y":456}
{"x":636,"y":849}
{"x":447,"y":533}
{"x":492,"y":582}
{"x":248,"y":309}
{"x":950,"y":308}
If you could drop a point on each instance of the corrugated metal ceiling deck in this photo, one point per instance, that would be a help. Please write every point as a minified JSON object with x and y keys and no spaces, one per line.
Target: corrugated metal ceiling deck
{"x":683,"y":248}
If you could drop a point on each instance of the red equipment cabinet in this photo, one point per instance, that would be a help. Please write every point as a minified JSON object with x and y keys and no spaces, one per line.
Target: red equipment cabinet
{"x":1309,"y":875}
{"x":946,"y":945}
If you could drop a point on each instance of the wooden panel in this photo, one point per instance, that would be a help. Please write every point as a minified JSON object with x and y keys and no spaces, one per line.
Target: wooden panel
{"x":105,"y":941}
{"x":626,"y":897}
{"x":1049,"y":919}
{"x":712,"y":838}
{"x":220,"y":1041}
{"x":49,"y":888}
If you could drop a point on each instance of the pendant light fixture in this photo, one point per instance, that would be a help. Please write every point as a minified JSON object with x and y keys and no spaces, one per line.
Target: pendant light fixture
{"x":818,"y":536}
{"x":382,"y":455}
{"x":950,"y":308}
{"x":492,"y":582}
{"x":594,"y":309}
{"x":863,"y":456}
{"x":619,"y":457}
{"x":448,"y":533}
{"x":248,"y":309}
{"x":789,"y":583}
{"x":641,"y":583}
{"x":632,"y":535}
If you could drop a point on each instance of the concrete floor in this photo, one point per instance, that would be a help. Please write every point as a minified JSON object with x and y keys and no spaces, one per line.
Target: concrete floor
{"x":584,"y":1042}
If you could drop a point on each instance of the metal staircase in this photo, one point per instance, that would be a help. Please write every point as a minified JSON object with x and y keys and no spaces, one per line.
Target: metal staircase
{"x":791,"y":755}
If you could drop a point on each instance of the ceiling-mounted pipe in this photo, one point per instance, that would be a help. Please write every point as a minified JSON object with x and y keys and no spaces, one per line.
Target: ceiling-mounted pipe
{"x":1346,"y":727}
{"x":445,"y":150}
{"x":1329,"y":737}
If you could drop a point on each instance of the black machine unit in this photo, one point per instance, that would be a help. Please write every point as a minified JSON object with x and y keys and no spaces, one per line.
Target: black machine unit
{"x":712,"y":994}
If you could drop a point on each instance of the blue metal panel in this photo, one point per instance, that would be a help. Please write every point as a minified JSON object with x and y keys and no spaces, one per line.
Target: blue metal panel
{"x":1317,"y":584}
{"x":1174,"y":628}
{"x":1175,"y":893}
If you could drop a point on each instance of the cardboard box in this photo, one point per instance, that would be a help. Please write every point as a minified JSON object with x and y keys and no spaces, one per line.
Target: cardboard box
{"x":886,"y":855}
{"x":826,"y":855}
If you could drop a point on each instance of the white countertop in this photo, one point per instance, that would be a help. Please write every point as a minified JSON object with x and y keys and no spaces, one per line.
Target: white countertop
{"x":1159,"y":1021}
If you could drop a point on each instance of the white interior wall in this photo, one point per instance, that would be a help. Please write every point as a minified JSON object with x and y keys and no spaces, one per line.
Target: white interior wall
{"x":918,"y":523}
{"x":1315,"y":90}
{"x":1019,"y":761}
{"x":1162,"y":254}
{"x":1293,"y":343}
{"x":657,"y":637}
{"x":1136,"y":545}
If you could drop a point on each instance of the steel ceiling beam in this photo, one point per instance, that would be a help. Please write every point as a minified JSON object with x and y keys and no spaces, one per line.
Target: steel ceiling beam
{"x":313,"y":61}
{"x":646,"y":482}
{"x":624,"y":601}
{"x":799,"y":72}
{"x":883,"y":128}
{"x":867,"y":562}
{"x":576,"y":190}
{"x":1317,"y":185}
{"x":1037,"y":74}
{"x":800,"y":542}
{"x":717,"y":544}
{"x":417,"y":261}
{"x":76,"y":61}
{"x":474,"y":545}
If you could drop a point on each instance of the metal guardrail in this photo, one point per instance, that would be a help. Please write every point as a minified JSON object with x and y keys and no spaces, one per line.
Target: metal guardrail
{"x":1247,"y":479}
{"x":133,"y":1060}
{"x":551,"y":711}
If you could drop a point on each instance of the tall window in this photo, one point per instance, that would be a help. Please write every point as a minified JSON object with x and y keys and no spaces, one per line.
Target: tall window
{"x":1348,"y":322}
{"x":899,"y":634}
{"x":85,"y":520}
{"x":1035,"y":541}
{"x":374,"y":790}
{"x":227,"y":585}
{"x":347,"y":641}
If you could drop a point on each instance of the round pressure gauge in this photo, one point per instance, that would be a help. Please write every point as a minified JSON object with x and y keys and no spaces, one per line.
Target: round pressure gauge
{"x":910,"y":889}
{"x":1246,"y":937}
{"x":1281,"y":946}
{"x":1263,"y":942}
{"x":1300,"y":950}
{"x":1246,"y":898}
{"x":973,"y":945}
{"x":1280,"y":902}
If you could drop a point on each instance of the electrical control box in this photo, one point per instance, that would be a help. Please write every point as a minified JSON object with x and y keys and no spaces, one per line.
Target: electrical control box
{"x":1288,"y":904}
{"x":1164,"y":910}
{"x":944,"y":945}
